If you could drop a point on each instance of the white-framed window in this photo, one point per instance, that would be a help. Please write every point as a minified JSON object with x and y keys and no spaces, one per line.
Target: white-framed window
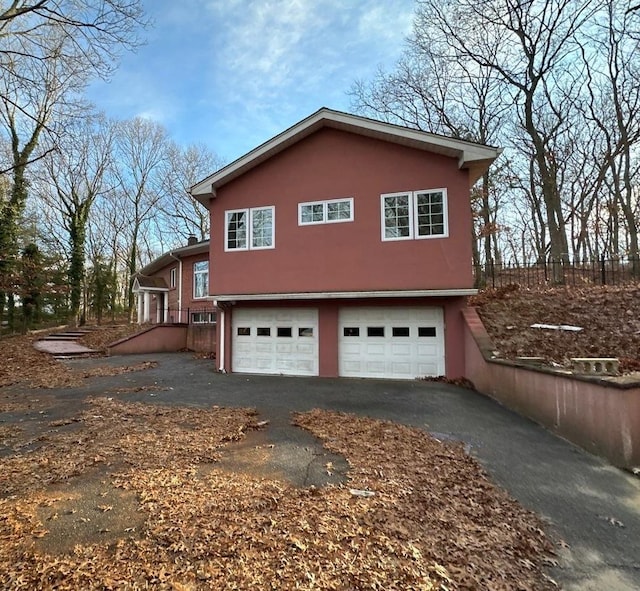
{"x":203,"y":317}
{"x":172,"y":277}
{"x":325,"y":212}
{"x":200,"y":279}
{"x":414,"y":215}
{"x":249,"y":229}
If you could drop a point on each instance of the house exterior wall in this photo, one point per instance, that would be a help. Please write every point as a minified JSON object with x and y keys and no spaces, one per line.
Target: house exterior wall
{"x":181,"y":308}
{"x":189,"y":302}
{"x":328,"y":311}
{"x":601,"y":417}
{"x":348,"y":256}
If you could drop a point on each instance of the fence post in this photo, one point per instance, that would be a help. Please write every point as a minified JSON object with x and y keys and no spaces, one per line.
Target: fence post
{"x":603,"y":271}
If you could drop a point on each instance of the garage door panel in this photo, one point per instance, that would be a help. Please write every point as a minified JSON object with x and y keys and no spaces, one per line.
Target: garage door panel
{"x":401,"y":349}
{"x":305,"y":349}
{"x":405,"y":342}
{"x":276,"y":341}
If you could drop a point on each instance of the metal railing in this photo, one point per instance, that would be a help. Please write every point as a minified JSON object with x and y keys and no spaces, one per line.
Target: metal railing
{"x":619,"y":271}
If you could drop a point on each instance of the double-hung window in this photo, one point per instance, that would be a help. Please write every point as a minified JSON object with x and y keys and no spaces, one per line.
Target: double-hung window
{"x":200,"y":279}
{"x":249,"y":229}
{"x":325,"y":212}
{"x":414,"y":214}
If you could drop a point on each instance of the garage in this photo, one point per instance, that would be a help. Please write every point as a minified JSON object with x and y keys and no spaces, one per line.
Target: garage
{"x":275,"y":341}
{"x":398,"y":342}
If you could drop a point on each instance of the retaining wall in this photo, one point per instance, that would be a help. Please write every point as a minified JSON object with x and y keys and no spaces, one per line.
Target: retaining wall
{"x":167,"y":338}
{"x":597,"y":414}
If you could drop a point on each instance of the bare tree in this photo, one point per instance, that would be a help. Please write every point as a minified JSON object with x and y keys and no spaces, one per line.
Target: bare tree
{"x":435,"y":89}
{"x":74,"y":176}
{"x":48,"y":52}
{"x":142,"y":153}
{"x":182,"y":216}
{"x":95,"y":32}
{"x":612,"y":107}
{"x":536,"y":45}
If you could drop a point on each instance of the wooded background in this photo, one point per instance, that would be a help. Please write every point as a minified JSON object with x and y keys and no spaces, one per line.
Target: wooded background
{"x":85,"y":201}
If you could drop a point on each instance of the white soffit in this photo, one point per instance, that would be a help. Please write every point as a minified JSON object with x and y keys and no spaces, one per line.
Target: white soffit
{"x":472,"y":156}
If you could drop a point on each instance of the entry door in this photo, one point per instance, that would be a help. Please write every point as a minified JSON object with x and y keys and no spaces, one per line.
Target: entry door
{"x":391,"y":342}
{"x":275,"y":341}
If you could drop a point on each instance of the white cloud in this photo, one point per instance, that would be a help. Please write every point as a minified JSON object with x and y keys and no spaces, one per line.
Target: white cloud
{"x":236,"y":72}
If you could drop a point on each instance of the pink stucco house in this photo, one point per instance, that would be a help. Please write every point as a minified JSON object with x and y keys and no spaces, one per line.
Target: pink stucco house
{"x":174,"y":288}
{"x":342,"y":247}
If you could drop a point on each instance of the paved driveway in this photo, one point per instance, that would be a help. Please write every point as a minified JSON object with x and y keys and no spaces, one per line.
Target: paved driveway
{"x":592,"y":506}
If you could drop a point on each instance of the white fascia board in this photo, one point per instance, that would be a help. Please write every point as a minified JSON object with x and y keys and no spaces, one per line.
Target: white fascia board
{"x":343,"y":295}
{"x":465,"y":152}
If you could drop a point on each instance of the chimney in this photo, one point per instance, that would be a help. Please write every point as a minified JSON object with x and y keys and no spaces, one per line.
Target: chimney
{"x":192,"y":240}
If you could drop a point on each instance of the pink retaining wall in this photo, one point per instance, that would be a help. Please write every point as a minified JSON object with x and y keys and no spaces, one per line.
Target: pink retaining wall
{"x":161,"y":338}
{"x":600,"y":416}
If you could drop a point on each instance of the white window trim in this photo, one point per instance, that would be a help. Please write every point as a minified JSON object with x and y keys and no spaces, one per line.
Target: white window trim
{"x":172,"y":277}
{"x":273,"y":227}
{"x":445,"y":214}
{"x":227,"y":215}
{"x":325,"y":209}
{"x":382,"y":217}
{"x":413,"y":218}
{"x":206,"y":289}
{"x":249,"y":211}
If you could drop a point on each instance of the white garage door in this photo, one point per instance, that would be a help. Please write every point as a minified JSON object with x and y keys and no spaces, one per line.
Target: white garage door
{"x":275,"y":341}
{"x":397,"y":342}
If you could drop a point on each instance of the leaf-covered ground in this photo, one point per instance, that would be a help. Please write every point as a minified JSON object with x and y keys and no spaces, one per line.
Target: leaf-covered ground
{"x":609,"y":317}
{"x":127,"y":496}
{"x":21,"y":363}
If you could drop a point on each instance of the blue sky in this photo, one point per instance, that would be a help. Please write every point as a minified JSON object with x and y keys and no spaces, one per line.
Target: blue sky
{"x":231,"y":74}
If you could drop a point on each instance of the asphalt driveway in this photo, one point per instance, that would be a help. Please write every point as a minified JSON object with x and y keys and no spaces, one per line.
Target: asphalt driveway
{"x":589,"y":505}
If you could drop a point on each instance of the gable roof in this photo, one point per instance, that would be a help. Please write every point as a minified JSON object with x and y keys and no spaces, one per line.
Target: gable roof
{"x":471,"y":156}
{"x":172,"y":256}
{"x":152,"y":283}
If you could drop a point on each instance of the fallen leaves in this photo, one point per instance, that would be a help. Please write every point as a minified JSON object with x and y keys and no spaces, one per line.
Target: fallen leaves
{"x":22,"y":364}
{"x":432,"y":522}
{"x":610,"y":316}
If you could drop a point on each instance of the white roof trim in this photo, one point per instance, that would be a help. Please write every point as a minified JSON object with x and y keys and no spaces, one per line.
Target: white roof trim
{"x":475,"y":157}
{"x":328,"y":295}
{"x":135,"y":288}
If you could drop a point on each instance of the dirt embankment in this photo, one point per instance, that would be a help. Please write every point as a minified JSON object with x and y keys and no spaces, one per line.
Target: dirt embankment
{"x":608,"y":316}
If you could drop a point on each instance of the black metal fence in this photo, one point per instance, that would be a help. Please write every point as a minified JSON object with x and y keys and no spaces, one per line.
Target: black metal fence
{"x":618,"y":271}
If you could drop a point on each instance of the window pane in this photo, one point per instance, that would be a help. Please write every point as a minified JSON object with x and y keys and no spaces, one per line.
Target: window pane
{"x":285,"y":331}
{"x":396,"y":217}
{"x":400,"y":331}
{"x":305,"y":332}
{"x":236,"y":230}
{"x":427,"y":331}
{"x":200,"y":279}
{"x":262,"y":228}
{"x":430,"y":213}
{"x":244,"y":331}
{"x":351,"y":331}
{"x":375,"y":331}
{"x":339,"y":210}
{"x":264,"y":332}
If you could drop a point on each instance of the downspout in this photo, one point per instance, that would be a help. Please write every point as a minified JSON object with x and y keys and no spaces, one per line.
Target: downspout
{"x":179,"y":285}
{"x":221,"y":368}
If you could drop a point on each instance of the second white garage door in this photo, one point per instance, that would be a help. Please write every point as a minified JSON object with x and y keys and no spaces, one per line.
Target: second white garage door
{"x":401,"y":343}
{"x":275,"y":341}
